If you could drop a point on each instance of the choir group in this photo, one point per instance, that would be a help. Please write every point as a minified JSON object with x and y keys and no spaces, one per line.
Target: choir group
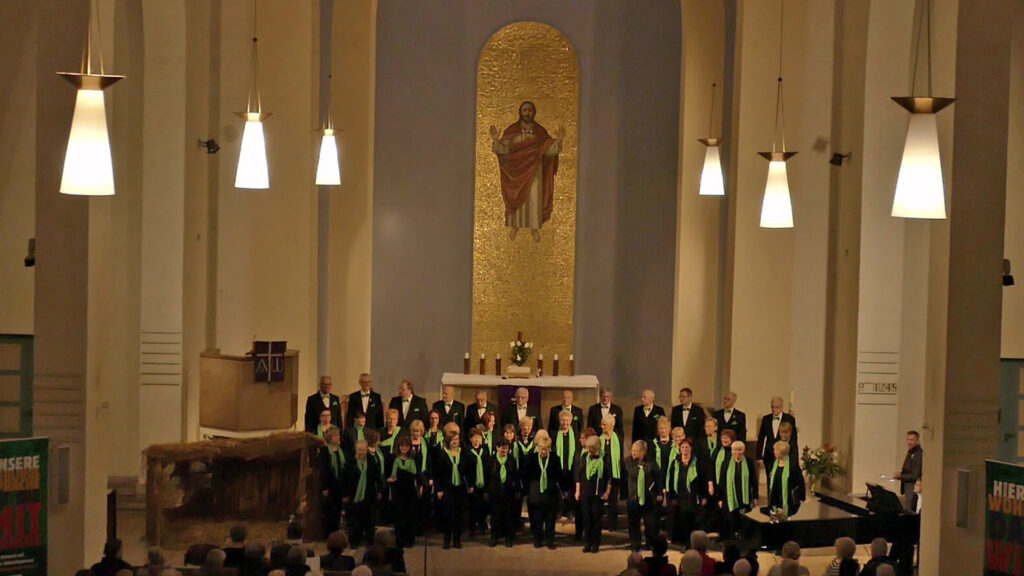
{"x":460,"y":469}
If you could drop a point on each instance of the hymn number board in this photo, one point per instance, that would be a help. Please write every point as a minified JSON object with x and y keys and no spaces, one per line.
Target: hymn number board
{"x":269,"y":361}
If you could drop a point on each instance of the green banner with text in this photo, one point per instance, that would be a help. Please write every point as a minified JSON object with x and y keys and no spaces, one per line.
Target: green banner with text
{"x":23,"y":467}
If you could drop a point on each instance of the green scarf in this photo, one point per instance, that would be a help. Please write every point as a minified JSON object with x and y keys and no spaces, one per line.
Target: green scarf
{"x":501,"y":467}
{"x":320,"y":430}
{"x":616,"y":462}
{"x":423,"y":457}
{"x":456,"y":477}
{"x":595,"y":467}
{"x":434,"y":437}
{"x":336,"y":455}
{"x":478,"y":452}
{"x":543,"y":462}
{"x":572,"y":448}
{"x":712,"y":444}
{"x":691,"y":474}
{"x":523,"y":449}
{"x":404,"y":464}
{"x":641,"y":484}
{"x":730,"y":478}
{"x":359,"y":434}
{"x":391,"y":439}
{"x":785,"y":483}
{"x":487,"y":441}
{"x":361,"y":486}
{"x":718,"y":465}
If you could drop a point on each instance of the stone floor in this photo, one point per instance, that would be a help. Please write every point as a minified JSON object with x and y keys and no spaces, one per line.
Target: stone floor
{"x":521,"y":559}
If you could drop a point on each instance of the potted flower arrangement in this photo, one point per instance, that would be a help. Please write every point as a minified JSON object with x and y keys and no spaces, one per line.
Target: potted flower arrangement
{"x":518,"y":355}
{"x":820,"y":463}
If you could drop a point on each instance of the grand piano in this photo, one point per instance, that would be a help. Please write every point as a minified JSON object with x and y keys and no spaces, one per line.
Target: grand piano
{"x":826,"y":516}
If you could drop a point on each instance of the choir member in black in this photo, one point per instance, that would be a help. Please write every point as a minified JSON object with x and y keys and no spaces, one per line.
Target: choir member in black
{"x":593,"y":490}
{"x":577,"y":506}
{"x":737,"y":491}
{"x":389,"y":434}
{"x":521,"y":408}
{"x":409,"y":406}
{"x":420,"y":453}
{"x":688,"y":416}
{"x":368,"y":402}
{"x":913,"y":463}
{"x":611,"y":450}
{"x":686,"y":485}
{"x":645,"y":417}
{"x":521,"y":449}
{"x":714,"y":513}
{"x":377,"y":458}
{"x":355,"y":432}
{"x":510,"y":434}
{"x":477,"y":462}
{"x":770,"y":432}
{"x":503,"y":493}
{"x":566,"y":406}
{"x":332,"y":470}
{"x":434,"y":433}
{"x":323,"y":423}
{"x":787,"y":436}
{"x":450,"y":409}
{"x":643,"y":493}
{"x":475,"y":412}
{"x":729,"y":418}
{"x":709,"y":444}
{"x":363,"y":485}
{"x":566,"y":448}
{"x":786,"y":488}
{"x":404,"y":480}
{"x":604,"y":408}
{"x":488,"y":433}
{"x":543,"y":471}
{"x":449,"y":475}
{"x":661,"y":447}
{"x":322,"y":399}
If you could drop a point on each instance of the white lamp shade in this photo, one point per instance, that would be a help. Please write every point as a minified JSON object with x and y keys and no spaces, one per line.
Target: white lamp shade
{"x":252,"y":170}
{"x":777,"y":208}
{"x":88,"y":169}
{"x":327,"y":171}
{"x":919,"y":189}
{"x":711,"y":182}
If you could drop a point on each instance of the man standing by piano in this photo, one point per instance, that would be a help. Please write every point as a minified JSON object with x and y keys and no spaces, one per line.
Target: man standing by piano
{"x":911,"y":470}
{"x":769,"y":434}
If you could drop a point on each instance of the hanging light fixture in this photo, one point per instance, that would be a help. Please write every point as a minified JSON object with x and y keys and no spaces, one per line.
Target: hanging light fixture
{"x":777,"y":206}
{"x":711,"y":180}
{"x":252,"y":169}
{"x":328,"y":171}
{"x":88,"y":167}
{"x":919,"y":189}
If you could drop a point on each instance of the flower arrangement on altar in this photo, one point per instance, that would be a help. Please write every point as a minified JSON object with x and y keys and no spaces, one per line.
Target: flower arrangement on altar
{"x":521,"y":349}
{"x":821,"y":463}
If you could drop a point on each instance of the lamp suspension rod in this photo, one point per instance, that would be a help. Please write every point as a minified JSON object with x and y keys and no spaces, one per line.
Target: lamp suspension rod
{"x":711,"y":117}
{"x":780,"y":111}
{"x":254,"y":91}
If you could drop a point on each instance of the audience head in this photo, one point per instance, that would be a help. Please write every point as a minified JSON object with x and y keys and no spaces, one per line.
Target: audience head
{"x":325,"y":385}
{"x":254,"y":553}
{"x":279,"y":555}
{"x":791,"y":550}
{"x":164,"y":572}
{"x":790,"y":567}
{"x":634,"y":560}
{"x":337,"y":542}
{"x":741,"y":567}
{"x":879,"y":548}
{"x":238,"y":533}
{"x":296,"y":556}
{"x":845,"y":548}
{"x":659,"y":544}
{"x":691,"y":564}
{"x":606,"y":396}
{"x":885,"y":570}
{"x":112,"y":549}
{"x":729,"y":400}
{"x":361,"y":570}
{"x":155,"y":557}
{"x":685,"y":396}
{"x":631,"y":572}
{"x":699,"y":541}
{"x":374,"y":555}
{"x":124,"y":572}
{"x":727,"y":437}
{"x":731,"y":553}
{"x":214,"y":561}
{"x":738,"y":450}
{"x":365,"y":382}
{"x":385,"y":539}
{"x":293,"y":531}
{"x":638,"y":450}
{"x":647,"y":398}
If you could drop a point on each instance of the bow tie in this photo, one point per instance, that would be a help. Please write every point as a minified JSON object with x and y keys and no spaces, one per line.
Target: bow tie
{"x":405,"y":399}
{"x":776,"y":418}
{"x":367,"y":395}
{"x":605,"y":406}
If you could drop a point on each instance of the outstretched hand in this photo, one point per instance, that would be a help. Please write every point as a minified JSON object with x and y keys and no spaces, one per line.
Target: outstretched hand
{"x":494,"y":133}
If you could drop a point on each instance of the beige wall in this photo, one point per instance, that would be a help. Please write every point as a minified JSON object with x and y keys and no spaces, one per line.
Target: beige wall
{"x":17,"y":164}
{"x":1013,"y":297}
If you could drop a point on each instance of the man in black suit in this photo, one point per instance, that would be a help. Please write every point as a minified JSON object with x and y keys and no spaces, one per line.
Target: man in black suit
{"x":768,"y":434}
{"x":565,"y":406}
{"x":317,"y":402}
{"x":913,"y":463}
{"x":520,"y":409}
{"x":451,"y":410}
{"x":645,"y":418}
{"x":689,"y":416}
{"x":410,"y":406}
{"x":368,"y":402}
{"x":603,"y":408}
{"x":475,"y":412}
{"x":729,"y":418}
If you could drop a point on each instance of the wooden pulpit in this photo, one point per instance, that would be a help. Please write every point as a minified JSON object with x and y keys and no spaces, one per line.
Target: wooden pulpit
{"x":230,"y":397}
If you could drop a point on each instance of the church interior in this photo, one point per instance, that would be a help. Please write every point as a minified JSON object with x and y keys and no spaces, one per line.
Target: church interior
{"x":731,"y":197}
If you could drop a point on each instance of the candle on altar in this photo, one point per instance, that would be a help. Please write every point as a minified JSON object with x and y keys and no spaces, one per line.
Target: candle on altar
{"x":497,"y":365}
{"x":572,"y":365}
{"x":483,"y":364}
{"x":792,"y":399}
{"x":465,"y":363}
{"x":554,"y":367}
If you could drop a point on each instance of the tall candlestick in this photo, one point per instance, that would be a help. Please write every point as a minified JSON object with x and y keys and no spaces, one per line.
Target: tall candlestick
{"x":554,"y":367}
{"x":465,"y":363}
{"x":497,"y":365}
{"x":540,"y":365}
{"x":572,"y":365}
{"x":483,"y":364}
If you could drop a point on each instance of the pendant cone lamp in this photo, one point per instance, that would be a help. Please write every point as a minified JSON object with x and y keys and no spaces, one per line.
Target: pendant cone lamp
{"x":920,"y":192}
{"x":88,"y":167}
{"x":328,"y":170}
{"x":252,"y":172}
{"x":712,"y":182}
{"x":777,"y":205}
